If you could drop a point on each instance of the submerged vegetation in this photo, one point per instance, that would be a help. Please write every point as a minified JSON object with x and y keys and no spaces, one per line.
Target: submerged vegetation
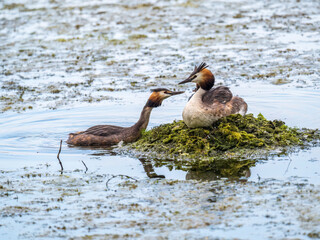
{"x":231,"y":145}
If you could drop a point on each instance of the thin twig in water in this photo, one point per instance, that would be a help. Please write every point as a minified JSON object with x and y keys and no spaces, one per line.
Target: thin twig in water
{"x":119,"y":175}
{"x":58,"y":156}
{"x":85,"y":166}
{"x":288,"y":165}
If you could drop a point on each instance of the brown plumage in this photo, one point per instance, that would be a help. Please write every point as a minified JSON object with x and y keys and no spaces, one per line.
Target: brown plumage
{"x":106,"y":135}
{"x":209,"y":104}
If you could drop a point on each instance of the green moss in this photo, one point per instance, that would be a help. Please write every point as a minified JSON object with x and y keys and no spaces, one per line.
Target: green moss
{"x":228,"y":133}
{"x":61,"y":40}
{"x":13,"y":6}
{"x":117,"y":42}
{"x":230,"y":145}
{"x":137,"y":36}
{"x":280,"y":81}
{"x":239,"y":15}
{"x":267,"y":75}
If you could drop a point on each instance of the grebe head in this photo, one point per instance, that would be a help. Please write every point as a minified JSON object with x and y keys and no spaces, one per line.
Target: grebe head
{"x":158,"y":95}
{"x":202,"y":76}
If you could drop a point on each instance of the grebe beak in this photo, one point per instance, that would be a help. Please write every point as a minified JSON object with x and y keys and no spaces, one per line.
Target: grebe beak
{"x":189,"y":79}
{"x":175,"y":93}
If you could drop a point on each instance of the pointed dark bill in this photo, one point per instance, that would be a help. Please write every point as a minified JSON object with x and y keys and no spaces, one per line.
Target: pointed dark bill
{"x":189,"y":79}
{"x":175,"y":93}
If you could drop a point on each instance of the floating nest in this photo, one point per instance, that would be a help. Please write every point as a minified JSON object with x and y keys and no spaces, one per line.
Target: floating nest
{"x":228,"y":147}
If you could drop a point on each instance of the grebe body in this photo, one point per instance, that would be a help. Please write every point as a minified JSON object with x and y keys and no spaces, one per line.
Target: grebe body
{"x":209,"y":104}
{"x":106,"y":135}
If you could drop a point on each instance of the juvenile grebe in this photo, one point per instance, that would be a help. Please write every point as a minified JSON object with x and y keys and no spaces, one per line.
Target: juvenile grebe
{"x":106,"y":135}
{"x":209,"y":104}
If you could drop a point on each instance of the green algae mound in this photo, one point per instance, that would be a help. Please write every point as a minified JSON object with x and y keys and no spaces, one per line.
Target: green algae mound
{"x":232,"y":144}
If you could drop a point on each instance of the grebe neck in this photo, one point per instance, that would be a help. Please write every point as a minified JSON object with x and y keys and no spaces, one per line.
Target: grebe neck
{"x":144,"y":119}
{"x":199,"y":93}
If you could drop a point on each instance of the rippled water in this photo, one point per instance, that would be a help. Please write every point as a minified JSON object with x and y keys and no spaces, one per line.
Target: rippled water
{"x":68,"y":65}
{"x":34,"y":136}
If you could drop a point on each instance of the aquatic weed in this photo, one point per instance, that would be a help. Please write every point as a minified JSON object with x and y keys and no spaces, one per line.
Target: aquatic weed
{"x":230,"y":144}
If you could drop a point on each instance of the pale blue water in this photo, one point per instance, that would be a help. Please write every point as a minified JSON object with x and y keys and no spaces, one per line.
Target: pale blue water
{"x":83,"y":63}
{"x":33,"y":137}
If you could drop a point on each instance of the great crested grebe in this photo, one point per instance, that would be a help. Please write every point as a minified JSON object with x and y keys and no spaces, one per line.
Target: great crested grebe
{"x":106,"y":135}
{"x":209,"y":104}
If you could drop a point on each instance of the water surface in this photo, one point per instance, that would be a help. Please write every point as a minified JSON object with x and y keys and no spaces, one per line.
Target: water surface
{"x":69,"y":65}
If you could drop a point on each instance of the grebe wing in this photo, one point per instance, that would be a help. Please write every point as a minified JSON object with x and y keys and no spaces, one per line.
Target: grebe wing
{"x":103,"y":130}
{"x":221,"y":94}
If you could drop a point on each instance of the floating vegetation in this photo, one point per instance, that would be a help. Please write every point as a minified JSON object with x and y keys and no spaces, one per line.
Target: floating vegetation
{"x":231,"y":145}
{"x":20,"y":97}
{"x":264,"y":51}
{"x":137,"y":36}
{"x":38,"y":196}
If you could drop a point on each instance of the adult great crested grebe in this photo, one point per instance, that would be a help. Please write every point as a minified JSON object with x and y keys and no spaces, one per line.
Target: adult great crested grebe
{"x":209,"y":104}
{"x":106,"y":135}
